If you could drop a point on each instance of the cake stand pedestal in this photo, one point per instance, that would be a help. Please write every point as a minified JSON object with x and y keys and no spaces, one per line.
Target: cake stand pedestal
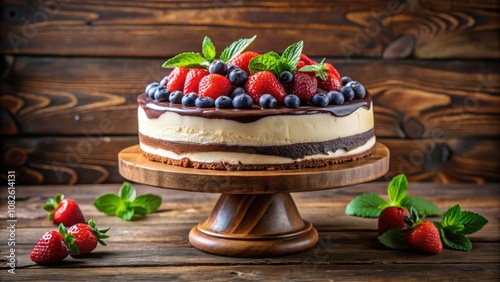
{"x":255,"y":216}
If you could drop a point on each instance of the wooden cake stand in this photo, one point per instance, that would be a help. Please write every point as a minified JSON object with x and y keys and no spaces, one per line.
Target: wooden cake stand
{"x":255,"y":216}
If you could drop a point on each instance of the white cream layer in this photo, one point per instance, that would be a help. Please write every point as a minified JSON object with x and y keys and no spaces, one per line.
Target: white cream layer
{"x":249,"y":159}
{"x":267,"y":131}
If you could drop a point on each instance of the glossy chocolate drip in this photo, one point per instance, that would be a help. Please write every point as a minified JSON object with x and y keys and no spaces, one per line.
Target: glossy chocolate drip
{"x":154,"y":109}
{"x":292,"y":151}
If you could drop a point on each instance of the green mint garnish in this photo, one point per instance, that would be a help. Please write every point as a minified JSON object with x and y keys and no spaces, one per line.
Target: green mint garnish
{"x":272,"y":61}
{"x":126,"y":204}
{"x":208,"y":49}
{"x":236,"y":48}
{"x":455,"y":224}
{"x":187,"y":59}
{"x":319,"y":69}
{"x":393,"y":239}
{"x":371,"y":205}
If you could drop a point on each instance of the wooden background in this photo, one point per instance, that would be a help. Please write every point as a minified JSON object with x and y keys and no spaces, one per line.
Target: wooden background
{"x":71,"y":71}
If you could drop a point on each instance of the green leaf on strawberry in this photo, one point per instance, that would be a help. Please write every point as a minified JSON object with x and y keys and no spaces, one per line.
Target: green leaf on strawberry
{"x":371,"y":205}
{"x":455,"y":224}
{"x":319,"y":69}
{"x":236,"y":48}
{"x":208,"y":49}
{"x":126,"y":205}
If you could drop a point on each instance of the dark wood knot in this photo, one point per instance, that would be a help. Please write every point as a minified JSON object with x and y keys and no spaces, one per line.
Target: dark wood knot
{"x":413,"y":128}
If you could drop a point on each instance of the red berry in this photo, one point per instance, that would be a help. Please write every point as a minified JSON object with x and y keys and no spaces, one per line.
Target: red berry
{"x":193,"y":78}
{"x":177,"y":78}
{"x":54,"y":246}
{"x":303,"y":85}
{"x":331,"y":83}
{"x":87,"y":236}
{"x":214,"y":85}
{"x":307,"y":60}
{"x":424,"y":237}
{"x":264,"y":82}
{"x":63,"y":210}
{"x":390,"y":218}
{"x":332,"y":70}
{"x":300,"y":64}
{"x":243,"y":59}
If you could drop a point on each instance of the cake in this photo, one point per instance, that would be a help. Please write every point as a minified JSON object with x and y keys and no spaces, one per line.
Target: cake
{"x":251,"y":111}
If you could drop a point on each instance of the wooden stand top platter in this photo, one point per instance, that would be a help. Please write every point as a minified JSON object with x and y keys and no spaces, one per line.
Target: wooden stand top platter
{"x":255,"y":215}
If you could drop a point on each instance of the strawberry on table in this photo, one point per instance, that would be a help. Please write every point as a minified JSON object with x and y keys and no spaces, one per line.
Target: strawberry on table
{"x":54,"y":246}
{"x":177,"y":78}
{"x":63,"y":210}
{"x":421,"y":235}
{"x":391,"y":217}
{"x":243,"y":59}
{"x":265,"y":82}
{"x":193,"y":78}
{"x":214,"y":85}
{"x":87,"y":236}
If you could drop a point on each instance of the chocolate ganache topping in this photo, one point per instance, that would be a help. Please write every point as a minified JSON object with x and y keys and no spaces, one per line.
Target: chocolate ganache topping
{"x":154,"y":109}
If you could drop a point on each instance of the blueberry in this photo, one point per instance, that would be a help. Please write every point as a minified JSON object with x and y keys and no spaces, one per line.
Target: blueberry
{"x":242,"y":101}
{"x":267,"y":101}
{"x":292,"y":101}
{"x":236,"y":91}
{"x":164,"y":81}
{"x":320,"y":100}
{"x":189,"y":99}
{"x":150,"y":89}
{"x":224,"y":102}
{"x":238,"y":77}
{"x":176,"y":97}
{"x":344,"y":80}
{"x":218,"y":67}
{"x":359,"y":89}
{"x":162,"y":94}
{"x":286,"y":77}
{"x":335,"y":97}
{"x":204,"y":102}
{"x":348,"y":92}
{"x":232,"y":68}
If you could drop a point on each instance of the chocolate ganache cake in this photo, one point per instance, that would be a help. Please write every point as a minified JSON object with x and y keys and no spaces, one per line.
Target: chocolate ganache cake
{"x":251,"y":111}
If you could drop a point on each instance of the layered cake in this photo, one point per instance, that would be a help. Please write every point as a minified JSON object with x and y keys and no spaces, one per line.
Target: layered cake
{"x":251,"y":111}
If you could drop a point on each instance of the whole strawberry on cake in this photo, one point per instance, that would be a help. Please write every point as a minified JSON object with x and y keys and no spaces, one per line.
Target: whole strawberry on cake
{"x":251,"y":111}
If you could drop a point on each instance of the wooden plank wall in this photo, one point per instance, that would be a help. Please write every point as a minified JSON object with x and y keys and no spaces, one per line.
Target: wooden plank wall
{"x":71,"y":71}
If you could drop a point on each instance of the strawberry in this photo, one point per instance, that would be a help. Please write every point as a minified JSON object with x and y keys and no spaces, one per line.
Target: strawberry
{"x":307,"y":60}
{"x":264,"y":82}
{"x":243,"y":59}
{"x":54,"y":246}
{"x":300,"y":64}
{"x":390,"y":218}
{"x":421,"y":235}
{"x":332,"y":70}
{"x":193,"y":78}
{"x":331,"y":83}
{"x":303,"y":85}
{"x":87,"y":236}
{"x":63,"y":210}
{"x":177,"y":78}
{"x":214,"y":85}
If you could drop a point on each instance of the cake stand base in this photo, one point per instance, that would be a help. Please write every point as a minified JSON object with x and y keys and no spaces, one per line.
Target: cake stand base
{"x":244,"y":225}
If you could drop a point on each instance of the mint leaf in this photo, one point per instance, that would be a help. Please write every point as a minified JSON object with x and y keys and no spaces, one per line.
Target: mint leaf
{"x":208,"y":49}
{"x":148,"y":202}
{"x":393,"y":239}
{"x":188,"y":59}
{"x":366,"y":205}
{"x":269,"y":61}
{"x":125,"y":211}
{"x":236,"y":48}
{"x":456,"y":242}
{"x":127,"y":192}
{"x":140,"y":211}
{"x":107,"y":203}
{"x":452,"y":216}
{"x":291,"y":56}
{"x":472,"y":222}
{"x":422,"y":205}
{"x":319,"y":69}
{"x":397,"y":189}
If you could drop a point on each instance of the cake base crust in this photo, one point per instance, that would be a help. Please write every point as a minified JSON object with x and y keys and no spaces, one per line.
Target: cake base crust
{"x":186,"y":162}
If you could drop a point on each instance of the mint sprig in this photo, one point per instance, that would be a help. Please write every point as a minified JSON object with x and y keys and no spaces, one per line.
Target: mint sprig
{"x":455,"y":224}
{"x":187,"y":59}
{"x":272,"y":61}
{"x":127,"y":204}
{"x":208,"y":49}
{"x":236,"y":48}
{"x":371,"y":205}
{"x":393,"y":239}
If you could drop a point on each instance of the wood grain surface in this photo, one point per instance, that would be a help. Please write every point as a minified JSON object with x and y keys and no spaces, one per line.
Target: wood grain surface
{"x":371,"y":28}
{"x":158,"y":248}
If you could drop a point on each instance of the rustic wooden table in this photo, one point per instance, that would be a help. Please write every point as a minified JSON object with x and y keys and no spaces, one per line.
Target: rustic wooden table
{"x":157,"y":247}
